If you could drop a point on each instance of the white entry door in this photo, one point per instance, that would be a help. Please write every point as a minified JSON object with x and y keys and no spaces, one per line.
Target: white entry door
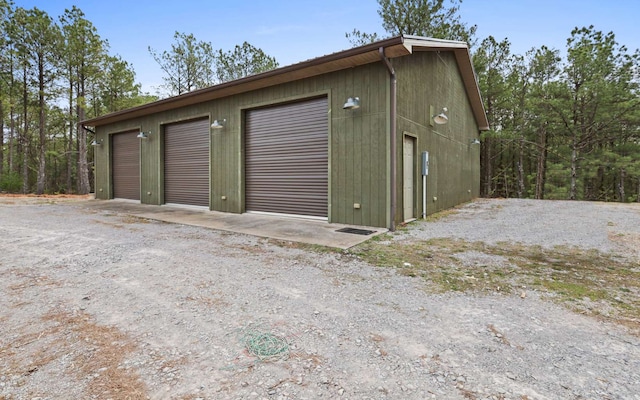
{"x":408,"y":193}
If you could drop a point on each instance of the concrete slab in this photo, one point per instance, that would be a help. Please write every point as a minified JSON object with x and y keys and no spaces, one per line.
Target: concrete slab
{"x":276,"y":227}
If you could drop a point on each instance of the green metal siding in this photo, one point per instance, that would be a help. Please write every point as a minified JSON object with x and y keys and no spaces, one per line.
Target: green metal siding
{"x":357,"y":144}
{"x":359,"y":170}
{"x":432,"y":79}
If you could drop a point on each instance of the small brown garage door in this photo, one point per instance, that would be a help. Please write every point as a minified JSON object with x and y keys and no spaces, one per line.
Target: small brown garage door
{"x":286,"y":159}
{"x":126,"y":165}
{"x":186,"y":163}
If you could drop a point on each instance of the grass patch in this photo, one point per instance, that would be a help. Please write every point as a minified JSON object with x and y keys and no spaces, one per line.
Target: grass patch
{"x":573,"y":291}
{"x":315,"y":248}
{"x":441,"y":214}
{"x":587,"y":281}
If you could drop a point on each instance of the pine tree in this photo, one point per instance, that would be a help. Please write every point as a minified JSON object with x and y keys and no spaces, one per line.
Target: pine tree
{"x":84,"y":51}
{"x":430,"y":18}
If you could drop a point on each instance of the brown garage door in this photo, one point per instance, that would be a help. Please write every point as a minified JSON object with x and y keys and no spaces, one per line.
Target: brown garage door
{"x":286,"y":159}
{"x":126,"y":165}
{"x":186,"y":163}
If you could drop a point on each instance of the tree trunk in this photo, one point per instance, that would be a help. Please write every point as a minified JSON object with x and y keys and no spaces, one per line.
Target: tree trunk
{"x":623,"y":176}
{"x":506,"y":183}
{"x":521,"y":187}
{"x":1,"y":140}
{"x":12,"y":135}
{"x":42,"y":178}
{"x":24,"y":137}
{"x":485,"y":162}
{"x":541,"y":170}
{"x":601,"y":190}
{"x":83,"y":168}
{"x":69,"y":149}
{"x":574,"y":172}
{"x":25,"y":166}
{"x":12,"y":110}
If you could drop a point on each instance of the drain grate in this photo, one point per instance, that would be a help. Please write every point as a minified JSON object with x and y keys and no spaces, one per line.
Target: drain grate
{"x":356,"y":231}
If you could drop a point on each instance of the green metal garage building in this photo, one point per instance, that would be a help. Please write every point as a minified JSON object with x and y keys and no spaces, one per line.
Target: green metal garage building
{"x":339,"y":138}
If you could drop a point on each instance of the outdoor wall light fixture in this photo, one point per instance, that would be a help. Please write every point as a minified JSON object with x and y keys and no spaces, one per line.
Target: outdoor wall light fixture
{"x":475,"y":141}
{"x":441,"y":118}
{"x":143,"y":135}
{"x":96,"y":142}
{"x":218,"y":124}
{"x":352,"y":103}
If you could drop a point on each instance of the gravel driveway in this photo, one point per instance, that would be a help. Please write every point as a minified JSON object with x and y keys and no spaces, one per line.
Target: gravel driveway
{"x":100,"y":305}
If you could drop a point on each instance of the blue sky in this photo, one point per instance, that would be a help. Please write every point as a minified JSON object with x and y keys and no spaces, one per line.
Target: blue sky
{"x":294,"y":31}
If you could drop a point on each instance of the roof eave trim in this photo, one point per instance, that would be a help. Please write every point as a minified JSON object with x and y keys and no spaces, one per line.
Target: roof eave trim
{"x":410,"y":43}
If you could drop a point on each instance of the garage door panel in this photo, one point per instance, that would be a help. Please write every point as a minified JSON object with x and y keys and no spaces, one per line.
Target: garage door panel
{"x":286,"y":159}
{"x":298,"y":146}
{"x":313,"y":160}
{"x":126,"y":165}
{"x":273,"y":176}
{"x":186,"y":163}
{"x":291,"y":125}
{"x":304,"y":111}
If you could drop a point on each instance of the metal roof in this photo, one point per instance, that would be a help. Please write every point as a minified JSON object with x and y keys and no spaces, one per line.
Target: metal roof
{"x":397,"y":46}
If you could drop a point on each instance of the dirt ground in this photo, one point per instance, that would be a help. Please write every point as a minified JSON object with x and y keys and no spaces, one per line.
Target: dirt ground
{"x":101,"y":305}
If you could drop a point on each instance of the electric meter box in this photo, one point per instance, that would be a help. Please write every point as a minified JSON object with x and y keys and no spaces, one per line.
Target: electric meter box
{"x":425,"y":163}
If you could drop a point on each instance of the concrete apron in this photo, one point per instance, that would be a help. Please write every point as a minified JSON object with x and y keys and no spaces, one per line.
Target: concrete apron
{"x":275,"y":227}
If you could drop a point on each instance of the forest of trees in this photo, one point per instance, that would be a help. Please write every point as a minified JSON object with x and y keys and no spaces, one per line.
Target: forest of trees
{"x":53,"y":74}
{"x":561,"y":127}
{"x":193,"y":64}
{"x":565,"y":123}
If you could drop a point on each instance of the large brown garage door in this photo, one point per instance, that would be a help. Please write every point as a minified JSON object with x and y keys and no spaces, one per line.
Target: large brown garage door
{"x":126,"y":166}
{"x":186,"y":163}
{"x":286,"y":159}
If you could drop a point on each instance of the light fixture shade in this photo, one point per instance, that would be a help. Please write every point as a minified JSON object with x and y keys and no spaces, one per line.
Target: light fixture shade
{"x":352,"y":103}
{"x":142,"y":135}
{"x":475,"y":141}
{"x":441,"y":118}
{"x":218,"y":124}
{"x":96,"y":143}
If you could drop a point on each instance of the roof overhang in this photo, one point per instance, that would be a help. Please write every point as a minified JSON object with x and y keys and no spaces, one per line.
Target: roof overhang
{"x":394,"y":47}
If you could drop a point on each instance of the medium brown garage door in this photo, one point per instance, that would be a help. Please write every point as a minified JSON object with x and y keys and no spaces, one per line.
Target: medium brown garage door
{"x":186,"y":163}
{"x":286,"y":159}
{"x":126,"y":165}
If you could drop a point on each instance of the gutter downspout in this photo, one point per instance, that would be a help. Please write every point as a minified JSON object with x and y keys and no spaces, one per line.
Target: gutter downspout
{"x":392,"y":136}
